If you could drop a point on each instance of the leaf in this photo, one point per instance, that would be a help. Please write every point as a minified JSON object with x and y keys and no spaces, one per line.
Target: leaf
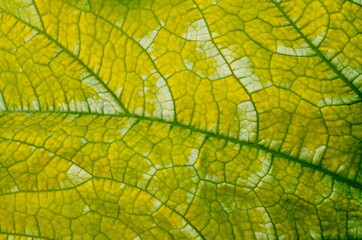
{"x":180,"y":119}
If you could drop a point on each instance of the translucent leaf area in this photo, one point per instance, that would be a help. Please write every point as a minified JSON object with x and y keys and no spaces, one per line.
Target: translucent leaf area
{"x":180,"y":119}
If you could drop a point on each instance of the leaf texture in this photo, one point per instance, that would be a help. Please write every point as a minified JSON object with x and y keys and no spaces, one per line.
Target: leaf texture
{"x":194,"y":119}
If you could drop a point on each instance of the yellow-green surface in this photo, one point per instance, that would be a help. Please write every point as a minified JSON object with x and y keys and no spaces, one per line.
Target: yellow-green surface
{"x":180,"y":119}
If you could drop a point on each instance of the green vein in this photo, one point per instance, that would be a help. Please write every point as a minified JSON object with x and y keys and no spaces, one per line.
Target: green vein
{"x":63,"y":48}
{"x":357,"y":2}
{"x":316,"y":50}
{"x":216,"y":136}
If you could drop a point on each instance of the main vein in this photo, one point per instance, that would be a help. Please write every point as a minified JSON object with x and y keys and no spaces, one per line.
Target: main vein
{"x":216,"y":136}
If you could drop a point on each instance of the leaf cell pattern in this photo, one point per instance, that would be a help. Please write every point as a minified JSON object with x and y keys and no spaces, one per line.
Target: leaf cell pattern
{"x":180,"y":119}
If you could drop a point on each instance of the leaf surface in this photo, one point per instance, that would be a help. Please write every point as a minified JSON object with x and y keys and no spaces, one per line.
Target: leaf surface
{"x":180,"y":119}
